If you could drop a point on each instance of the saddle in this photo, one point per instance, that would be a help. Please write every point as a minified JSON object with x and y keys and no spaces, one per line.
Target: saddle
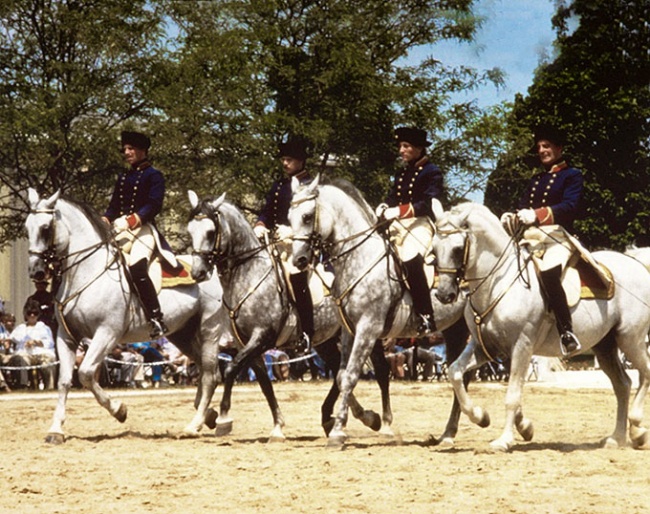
{"x":165,"y":276}
{"x":582,"y":276}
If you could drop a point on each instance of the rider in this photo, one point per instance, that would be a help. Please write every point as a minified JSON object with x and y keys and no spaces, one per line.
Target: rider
{"x":409,"y":200}
{"x":137,"y":198}
{"x":274,"y":216}
{"x":553,"y":198}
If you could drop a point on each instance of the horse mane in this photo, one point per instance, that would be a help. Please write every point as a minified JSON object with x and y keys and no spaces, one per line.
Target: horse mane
{"x":351,"y":190}
{"x":204,"y":207}
{"x":100,"y":226}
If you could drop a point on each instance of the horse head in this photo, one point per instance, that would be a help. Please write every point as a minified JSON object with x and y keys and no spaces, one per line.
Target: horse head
{"x":205,"y":230}
{"x":43,"y":238}
{"x":451,"y":245}
{"x":308,"y":225}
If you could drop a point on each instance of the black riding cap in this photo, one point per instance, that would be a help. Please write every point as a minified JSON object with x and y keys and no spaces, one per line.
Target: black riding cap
{"x":550,"y":133}
{"x":136,"y":140}
{"x":295,"y":148}
{"x":413,"y":136}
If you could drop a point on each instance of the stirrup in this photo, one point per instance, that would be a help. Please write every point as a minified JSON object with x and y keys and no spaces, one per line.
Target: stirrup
{"x":158,"y":328}
{"x":570,"y":343}
{"x":426,"y":324}
{"x":304,"y":343}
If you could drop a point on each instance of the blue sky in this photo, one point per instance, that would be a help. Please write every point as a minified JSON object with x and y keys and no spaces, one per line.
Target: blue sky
{"x":514,"y":36}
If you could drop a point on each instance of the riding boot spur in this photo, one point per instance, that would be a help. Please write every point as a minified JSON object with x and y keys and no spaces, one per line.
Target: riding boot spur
{"x":148,"y":298}
{"x":417,"y":282}
{"x":557,"y":300}
{"x":305,"y":308}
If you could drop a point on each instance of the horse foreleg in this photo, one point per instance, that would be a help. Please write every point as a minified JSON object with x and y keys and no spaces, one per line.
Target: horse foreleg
{"x":348,"y":379}
{"x":456,"y":340}
{"x":205,"y":391}
{"x":329,"y":352}
{"x":93,"y":359}
{"x":457,"y":369}
{"x":67,"y":356}
{"x":259,"y":367}
{"x":521,"y":355}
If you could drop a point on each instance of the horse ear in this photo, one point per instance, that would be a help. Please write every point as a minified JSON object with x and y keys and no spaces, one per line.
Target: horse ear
{"x":437,"y":209}
{"x":51,"y":201}
{"x":32,"y":196}
{"x":217,"y":203}
{"x":314,"y":183}
{"x":194,"y":199}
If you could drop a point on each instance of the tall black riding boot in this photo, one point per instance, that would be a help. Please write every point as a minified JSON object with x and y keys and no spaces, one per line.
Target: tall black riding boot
{"x":417,"y":282}
{"x":148,"y":298}
{"x":552,"y":282}
{"x":304,"y":306}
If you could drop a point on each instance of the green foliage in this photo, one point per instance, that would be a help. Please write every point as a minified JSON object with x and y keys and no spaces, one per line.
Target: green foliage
{"x":219,"y":84}
{"x":597,"y":88}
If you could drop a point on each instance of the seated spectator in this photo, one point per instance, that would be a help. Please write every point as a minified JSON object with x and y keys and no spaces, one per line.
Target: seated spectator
{"x":33,"y":340}
{"x":125,"y":367}
{"x":6,"y":349}
{"x":279,"y":364}
{"x":394,"y":352}
{"x":178,"y":364}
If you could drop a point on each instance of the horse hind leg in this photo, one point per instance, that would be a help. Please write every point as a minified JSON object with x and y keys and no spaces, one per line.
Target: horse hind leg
{"x":640,"y":360}
{"x":382,"y":375}
{"x":607,"y":353}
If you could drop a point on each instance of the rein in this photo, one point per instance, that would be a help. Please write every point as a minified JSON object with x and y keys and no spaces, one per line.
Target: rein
{"x":479,"y":317}
{"x":216,"y":257}
{"x":52,"y":261}
{"x":316,"y":243}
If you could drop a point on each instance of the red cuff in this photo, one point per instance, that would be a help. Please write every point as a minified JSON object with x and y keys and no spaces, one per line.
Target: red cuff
{"x":133,"y":221}
{"x":544,"y":216}
{"x":406,"y":210}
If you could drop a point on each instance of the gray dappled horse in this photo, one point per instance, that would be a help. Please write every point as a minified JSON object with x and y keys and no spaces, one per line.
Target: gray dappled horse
{"x":94,"y":301}
{"x":256,"y":304}
{"x":374,"y":302}
{"x":509,"y":317}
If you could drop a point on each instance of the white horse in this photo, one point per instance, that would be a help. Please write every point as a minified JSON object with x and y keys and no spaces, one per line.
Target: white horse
{"x":372,"y":300}
{"x":258,"y":307}
{"x":94,"y":301}
{"x":508,"y":317}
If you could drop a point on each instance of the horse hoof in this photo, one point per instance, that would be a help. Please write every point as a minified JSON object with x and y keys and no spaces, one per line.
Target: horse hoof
{"x":484,"y":422}
{"x":277,"y":437}
{"x":328,"y":426}
{"x":54,"y":438}
{"x":609,"y":443}
{"x":499,"y":447}
{"x":639,"y":437}
{"x":223,"y":428}
{"x":526,"y":430}
{"x":211,"y":419}
{"x":386,"y":431}
{"x":336,"y":441}
{"x":446,"y":442}
{"x":121,"y":413}
{"x":372,"y":420}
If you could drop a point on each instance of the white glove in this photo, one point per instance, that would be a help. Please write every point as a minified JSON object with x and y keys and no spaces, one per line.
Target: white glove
{"x":260,"y":231}
{"x":391,"y":213}
{"x":379,"y":211}
{"x":506,"y":217}
{"x":120,"y":224}
{"x":283,"y":232}
{"x":527,"y":216}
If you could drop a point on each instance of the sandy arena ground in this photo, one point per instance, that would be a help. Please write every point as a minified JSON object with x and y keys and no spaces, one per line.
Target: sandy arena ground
{"x":146,"y":466}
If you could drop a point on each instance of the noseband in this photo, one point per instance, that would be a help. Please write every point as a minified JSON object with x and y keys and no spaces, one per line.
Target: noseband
{"x":49,"y":254}
{"x":211,"y":257}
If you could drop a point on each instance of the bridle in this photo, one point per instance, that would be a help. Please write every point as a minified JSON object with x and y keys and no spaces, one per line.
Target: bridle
{"x":53,"y":263}
{"x":216,"y":257}
{"x":459,"y":273}
{"x":316,"y":243}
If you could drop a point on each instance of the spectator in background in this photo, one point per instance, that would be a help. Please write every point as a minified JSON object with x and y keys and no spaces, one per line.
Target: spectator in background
{"x":33,"y":340}
{"x":394,"y":353}
{"x":5,"y":349}
{"x":45,"y":301}
{"x":17,"y":378}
